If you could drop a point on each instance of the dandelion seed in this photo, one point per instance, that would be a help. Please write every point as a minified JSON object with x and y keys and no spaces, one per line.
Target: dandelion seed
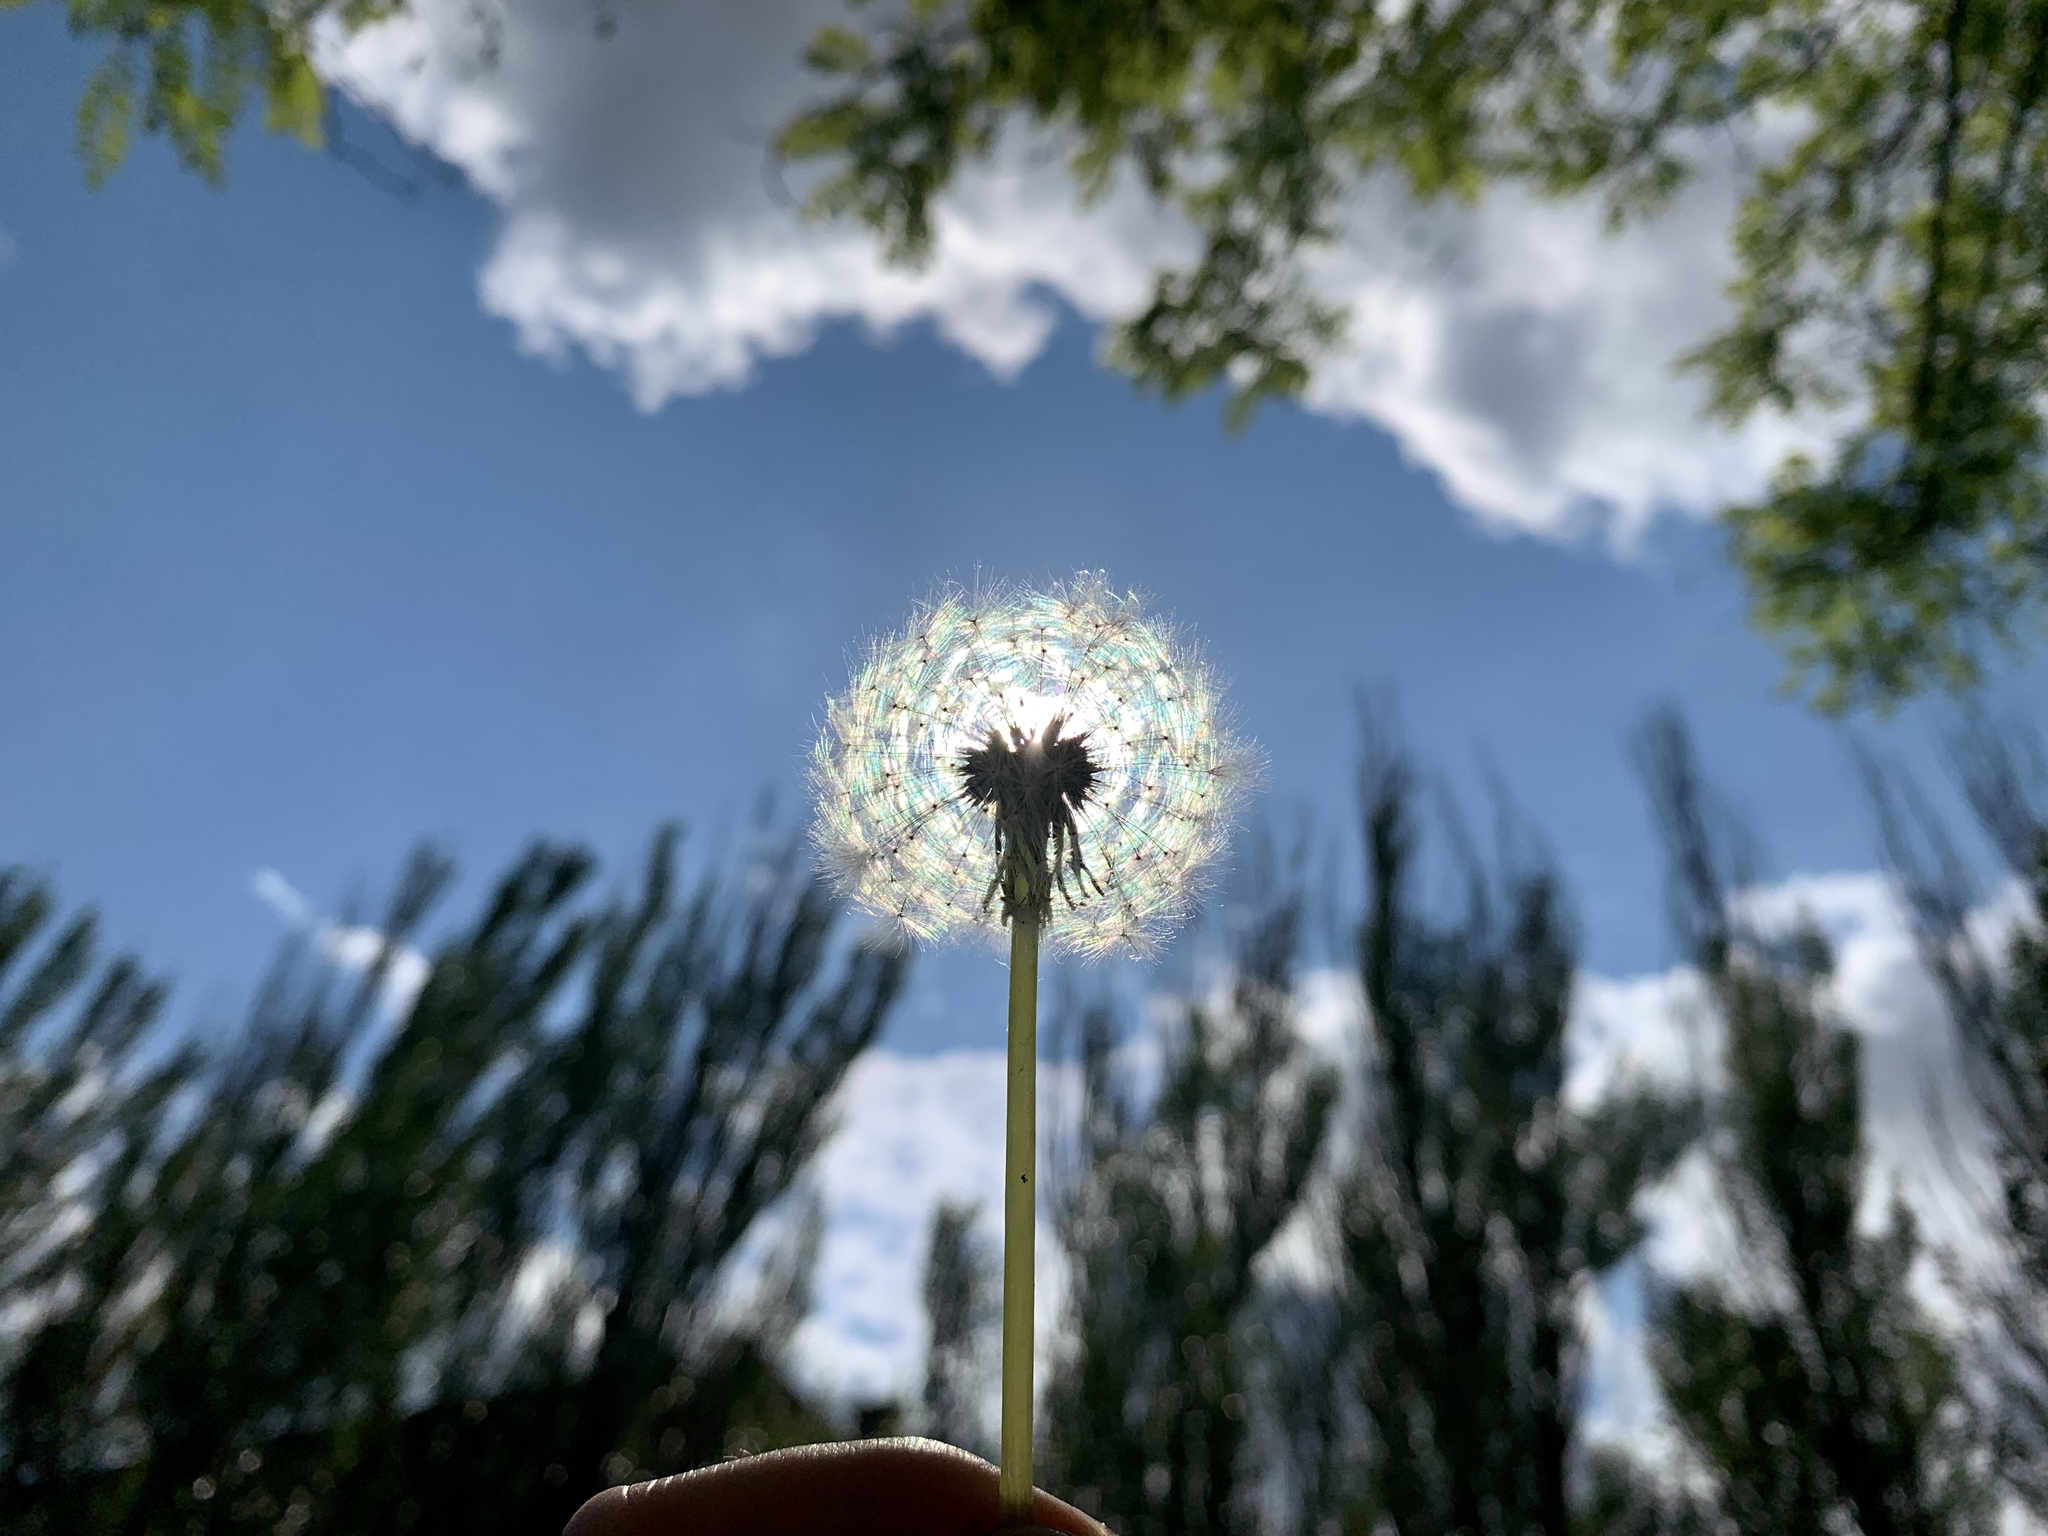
{"x":1009,"y":685}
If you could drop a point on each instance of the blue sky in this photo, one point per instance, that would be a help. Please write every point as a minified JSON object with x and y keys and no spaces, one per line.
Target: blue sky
{"x":554,"y":496}
{"x":303,"y":556}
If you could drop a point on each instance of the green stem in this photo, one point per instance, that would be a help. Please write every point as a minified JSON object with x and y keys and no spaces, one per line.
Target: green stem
{"x":1020,"y":1220}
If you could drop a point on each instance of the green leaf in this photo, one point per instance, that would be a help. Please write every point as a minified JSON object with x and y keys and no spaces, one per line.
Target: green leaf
{"x":296,"y":100}
{"x":824,"y":132}
{"x":104,"y":114}
{"x":837,"y":51}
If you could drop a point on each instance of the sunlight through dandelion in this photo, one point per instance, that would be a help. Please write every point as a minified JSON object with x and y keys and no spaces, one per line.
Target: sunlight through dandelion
{"x":904,"y":839}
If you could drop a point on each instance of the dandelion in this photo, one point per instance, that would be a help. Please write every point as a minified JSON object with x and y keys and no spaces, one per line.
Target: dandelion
{"x":997,"y":687}
{"x":1038,"y":764}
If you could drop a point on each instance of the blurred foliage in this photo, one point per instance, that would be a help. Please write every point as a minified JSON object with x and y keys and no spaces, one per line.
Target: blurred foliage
{"x":1810,"y":1384}
{"x":962,"y":1307}
{"x":448,"y":1270}
{"x":187,"y":69}
{"x":1480,"y":1206}
{"x":451,"y":1241}
{"x":1166,"y":1210}
{"x":1889,"y":243}
{"x":1997,"y":995}
{"x":1417,"y":1363}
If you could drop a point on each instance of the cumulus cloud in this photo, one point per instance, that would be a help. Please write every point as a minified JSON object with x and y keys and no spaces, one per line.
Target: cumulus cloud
{"x":913,"y":1130}
{"x":1524,"y":353}
{"x":1515,"y":348}
{"x":642,"y":221}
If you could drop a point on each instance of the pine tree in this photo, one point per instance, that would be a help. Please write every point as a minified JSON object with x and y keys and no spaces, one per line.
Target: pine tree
{"x":1997,"y":997}
{"x":962,"y":1303}
{"x":1807,"y":1382}
{"x":1165,"y":1215}
{"x":1479,"y":1206}
{"x":312,"y":1316}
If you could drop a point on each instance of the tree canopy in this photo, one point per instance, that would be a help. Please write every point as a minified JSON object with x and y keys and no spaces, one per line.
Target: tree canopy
{"x":1810,"y":1384}
{"x":187,"y":69}
{"x":1890,"y":244}
{"x":302,"y":1282}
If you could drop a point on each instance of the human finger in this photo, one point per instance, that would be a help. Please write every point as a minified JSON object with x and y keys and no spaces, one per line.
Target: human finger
{"x":867,"y":1488}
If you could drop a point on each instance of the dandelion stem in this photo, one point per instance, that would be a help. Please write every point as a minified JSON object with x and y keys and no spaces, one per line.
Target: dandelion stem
{"x":1020,"y":1210}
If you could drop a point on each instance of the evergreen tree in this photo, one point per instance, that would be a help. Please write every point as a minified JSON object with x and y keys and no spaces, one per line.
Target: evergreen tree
{"x":1478,"y":1207}
{"x":1807,"y":1382}
{"x":312,"y":1312}
{"x":1165,"y":1215}
{"x":962,"y":1304}
{"x":81,"y":1112}
{"x":1997,"y":997}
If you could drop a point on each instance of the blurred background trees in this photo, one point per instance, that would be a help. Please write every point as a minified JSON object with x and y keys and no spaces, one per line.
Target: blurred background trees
{"x":1810,"y":1382}
{"x":963,"y":1302}
{"x":1480,"y":1205}
{"x":1165,"y":1212}
{"x":452,"y":1240}
{"x":447,"y":1269}
{"x":1996,"y":988}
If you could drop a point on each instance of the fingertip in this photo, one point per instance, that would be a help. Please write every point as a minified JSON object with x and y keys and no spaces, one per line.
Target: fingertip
{"x":593,"y":1513}
{"x":1056,"y":1517}
{"x":908,"y":1487}
{"x":605,"y":1514}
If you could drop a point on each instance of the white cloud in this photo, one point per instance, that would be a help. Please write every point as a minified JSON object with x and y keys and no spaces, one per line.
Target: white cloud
{"x":1657,"y":1029}
{"x":351,"y":947}
{"x":1652,"y":1031}
{"x":913,"y":1130}
{"x":641,"y":221}
{"x":1513,"y":348}
{"x":1525,"y":355}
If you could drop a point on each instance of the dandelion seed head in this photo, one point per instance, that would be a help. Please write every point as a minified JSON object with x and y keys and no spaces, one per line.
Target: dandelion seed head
{"x":903,"y":839}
